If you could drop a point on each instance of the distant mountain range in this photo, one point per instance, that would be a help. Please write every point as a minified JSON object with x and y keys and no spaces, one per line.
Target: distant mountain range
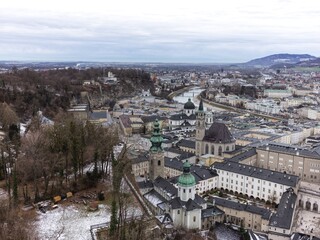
{"x":282,"y":59}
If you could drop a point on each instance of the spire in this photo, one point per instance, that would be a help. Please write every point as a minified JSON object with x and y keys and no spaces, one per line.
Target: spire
{"x":156,"y":139}
{"x":201,"y":105}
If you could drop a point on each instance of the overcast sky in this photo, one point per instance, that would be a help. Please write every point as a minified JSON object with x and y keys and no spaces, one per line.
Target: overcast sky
{"x":157,"y":31}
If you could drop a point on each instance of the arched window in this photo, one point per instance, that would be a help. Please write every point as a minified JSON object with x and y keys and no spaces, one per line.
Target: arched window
{"x":220,"y":151}
{"x":207,"y":149}
{"x":315,"y":207}
{"x":194,"y":218}
{"x":212,"y":149}
{"x":159,"y":163}
{"x":308,"y":205}
{"x":227,"y":148}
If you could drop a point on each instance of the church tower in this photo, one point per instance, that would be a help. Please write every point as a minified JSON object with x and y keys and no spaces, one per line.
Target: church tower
{"x":186,"y":184}
{"x":200,"y":129}
{"x":156,"y":159}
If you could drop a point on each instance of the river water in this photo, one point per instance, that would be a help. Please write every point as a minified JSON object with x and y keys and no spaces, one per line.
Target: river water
{"x":193,"y":93}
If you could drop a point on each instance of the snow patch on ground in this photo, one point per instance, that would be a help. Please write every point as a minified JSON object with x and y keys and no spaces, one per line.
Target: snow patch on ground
{"x":70,"y":222}
{"x":308,"y":222}
{"x":222,"y":232}
{"x":3,"y":194}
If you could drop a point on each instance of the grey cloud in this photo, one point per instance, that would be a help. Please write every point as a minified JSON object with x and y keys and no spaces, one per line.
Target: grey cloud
{"x":108,"y":38}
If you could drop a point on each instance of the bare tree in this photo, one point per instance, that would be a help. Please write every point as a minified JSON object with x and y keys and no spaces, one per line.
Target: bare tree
{"x":12,"y":226}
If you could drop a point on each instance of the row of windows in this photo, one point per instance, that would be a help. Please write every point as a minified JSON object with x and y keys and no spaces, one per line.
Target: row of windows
{"x":252,"y":179}
{"x":212,"y":150}
{"x":184,"y":190}
{"x":315,"y":165}
{"x":241,"y":189}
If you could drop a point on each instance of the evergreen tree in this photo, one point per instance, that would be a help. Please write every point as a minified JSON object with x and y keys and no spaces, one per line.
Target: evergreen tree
{"x":15,"y":187}
{"x":114,"y":218}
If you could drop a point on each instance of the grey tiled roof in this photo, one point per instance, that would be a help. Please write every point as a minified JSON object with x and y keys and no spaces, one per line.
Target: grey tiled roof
{"x":290,"y":149}
{"x":177,"y":203}
{"x":186,"y":143}
{"x":264,"y":213}
{"x":166,"y":218}
{"x":283,"y":217}
{"x":152,"y":118}
{"x":242,"y":156}
{"x":173,"y":163}
{"x":165,"y":186}
{"x":183,"y":116}
{"x":145,"y":184}
{"x":191,"y":205}
{"x":259,"y":173}
{"x":211,"y":211}
{"x":200,"y":173}
{"x":174,"y":150}
{"x":218,"y":133}
{"x":140,"y":158}
{"x":199,"y":200}
{"x":98,"y":115}
{"x":185,"y":124}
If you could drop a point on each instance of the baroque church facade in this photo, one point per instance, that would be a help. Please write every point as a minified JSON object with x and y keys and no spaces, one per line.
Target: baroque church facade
{"x":215,"y":140}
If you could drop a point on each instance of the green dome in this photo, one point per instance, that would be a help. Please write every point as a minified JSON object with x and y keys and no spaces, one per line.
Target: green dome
{"x":186,"y":179}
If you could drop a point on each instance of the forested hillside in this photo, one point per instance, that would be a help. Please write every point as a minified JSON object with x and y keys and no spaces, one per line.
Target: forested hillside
{"x":51,"y":91}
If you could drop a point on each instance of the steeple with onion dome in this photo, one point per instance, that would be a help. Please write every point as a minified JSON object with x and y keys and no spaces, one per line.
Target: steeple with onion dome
{"x":156,"y":157}
{"x":156,"y":139}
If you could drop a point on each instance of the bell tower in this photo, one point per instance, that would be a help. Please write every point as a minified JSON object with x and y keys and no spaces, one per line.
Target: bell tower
{"x":156,"y":159}
{"x":186,"y":184}
{"x":200,"y":129}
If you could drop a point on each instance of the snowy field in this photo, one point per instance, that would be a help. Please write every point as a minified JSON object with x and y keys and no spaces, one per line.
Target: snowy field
{"x":69,"y":222}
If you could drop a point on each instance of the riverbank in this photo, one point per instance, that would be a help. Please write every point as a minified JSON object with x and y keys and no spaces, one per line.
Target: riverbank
{"x":194,"y":93}
{"x":237,"y":110}
{"x":180,"y":91}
